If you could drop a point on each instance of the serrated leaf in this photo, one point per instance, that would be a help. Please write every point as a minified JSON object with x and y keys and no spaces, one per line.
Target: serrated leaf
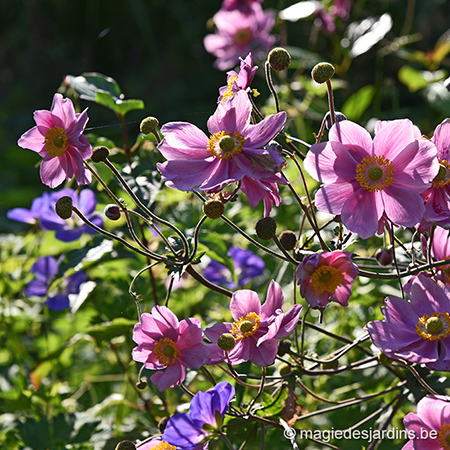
{"x":357,"y":104}
{"x":104,"y":332}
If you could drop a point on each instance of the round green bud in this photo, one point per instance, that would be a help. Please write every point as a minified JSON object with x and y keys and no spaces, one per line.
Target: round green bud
{"x":266,"y":228}
{"x":112,"y":212}
{"x":148,"y":125}
{"x":126,"y":445}
{"x":330,"y":364}
{"x":285,"y":369}
{"x":213,"y":208}
{"x":279,"y":58}
{"x":63,"y":207}
{"x":283,"y":347}
{"x":322,"y":72}
{"x":288,"y":240}
{"x":226,"y":341}
{"x":99,"y":154}
{"x":142,"y":384}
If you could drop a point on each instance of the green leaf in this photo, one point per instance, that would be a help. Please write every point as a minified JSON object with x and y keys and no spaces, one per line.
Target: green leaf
{"x":438,"y":97}
{"x":104,"y":332}
{"x":124,"y":106}
{"x":272,"y":405}
{"x":89,"y":83}
{"x":356,"y":104}
{"x":417,"y":79}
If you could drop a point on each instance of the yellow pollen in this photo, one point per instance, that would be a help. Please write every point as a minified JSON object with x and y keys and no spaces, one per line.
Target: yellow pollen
{"x":444,"y":436}
{"x":55,"y":141}
{"x":327,"y":279}
{"x":245,"y":326}
{"x":219,"y":144}
{"x":164,"y":446}
{"x":434,"y":326}
{"x":375,"y":173}
{"x":229,"y":92}
{"x":166,"y":351}
{"x":443,"y":176}
{"x":242,"y":36}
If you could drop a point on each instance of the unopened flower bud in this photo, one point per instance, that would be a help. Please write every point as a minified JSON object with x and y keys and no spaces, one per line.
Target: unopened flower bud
{"x":162,"y":424}
{"x":285,"y":369}
{"x":148,"y":125}
{"x":213,"y":208}
{"x":384,"y":257}
{"x":226,"y":341}
{"x":283,"y":347}
{"x":112,"y":212}
{"x":126,"y":445}
{"x":279,"y":58}
{"x":63,"y":207}
{"x":266,"y":228}
{"x":142,"y":384}
{"x":288,"y":240}
{"x":322,"y":72}
{"x":337,"y":115}
{"x":99,"y":154}
{"x":330,"y":364}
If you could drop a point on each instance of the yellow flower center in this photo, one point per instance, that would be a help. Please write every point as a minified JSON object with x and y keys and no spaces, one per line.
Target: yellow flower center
{"x":327,"y":279}
{"x":434,"y":326}
{"x":444,"y":436}
{"x":443,"y":176}
{"x":55,"y":141}
{"x":166,"y":351}
{"x":224,"y":145}
{"x":229,"y":92}
{"x":242,"y":36}
{"x":375,"y":173}
{"x":245,"y":326}
{"x":164,"y":446}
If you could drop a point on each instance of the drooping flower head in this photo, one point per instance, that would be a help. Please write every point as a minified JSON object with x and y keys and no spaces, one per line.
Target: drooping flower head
{"x":437,"y":197}
{"x":325,"y":277}
{"x":257,"y":327}
{"x":58,"y":138}
{"x":235,"y":149}
{"x":240,"y":32}
{"x":45,"y":270}
{"x":238,"y":81}
{"x":370,"y":181}
{"x":204,"y":419}
{"x":168,"y":346}
{"x":247,"y":265}
{"x":419,"y":330}
{"x":429,"y":428}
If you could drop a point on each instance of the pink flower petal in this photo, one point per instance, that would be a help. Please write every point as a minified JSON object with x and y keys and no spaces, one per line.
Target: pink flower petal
{"x":354,"y":137}
{"x":63,"y":112}
{"x":244,"y":302}
{"x":260,"y":134}
{"x":194,"y":356}
{"x":52,"y":173}
{"x":403,"y":206}
{"x":441,"y":139}
{"x":172,"y":376}
{"x":33,"y":140}
{"x":332,"y":197}
{"x":274,"y":302}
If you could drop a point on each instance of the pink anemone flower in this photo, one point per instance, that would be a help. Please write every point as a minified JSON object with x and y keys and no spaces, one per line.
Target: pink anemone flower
{"x":437,"y":197}
{"x":58,"y":138}
{"x":370,"y":181}
{"x":165,"y":343}
{"x":440,"y":250}
{"x":419,"y":330}
{"x":233,"y":150}
{"x":325,"y":277}
{"x":239,"y":32}
{"x":238,"y":81}
{"x":429,"y":428}
{"x":256,"y":328}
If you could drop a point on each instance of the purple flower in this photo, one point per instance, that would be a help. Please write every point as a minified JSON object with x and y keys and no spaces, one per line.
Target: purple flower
{"x":169,"y":345}
{"x":418,"y":330}
{"x":325,"y":277}
{"x":243,"y":5}
{"x":437,"y":197}
{"x":247,"y":265}
{"x":58,"y":138}
{"x":204,"y":419}
{"x":238,"y":81}
{"x":233,"y":151}
{"x":158,"y":444}
{"x":45,"y":270}
{"x":240,"y":32}
{"x":71,"y":229}
{"x":32,"y":215}
{"x":440,"y":249}
{"x":369,"y":182}
{"x":257,"y":327}
{"x":429,"y":429}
